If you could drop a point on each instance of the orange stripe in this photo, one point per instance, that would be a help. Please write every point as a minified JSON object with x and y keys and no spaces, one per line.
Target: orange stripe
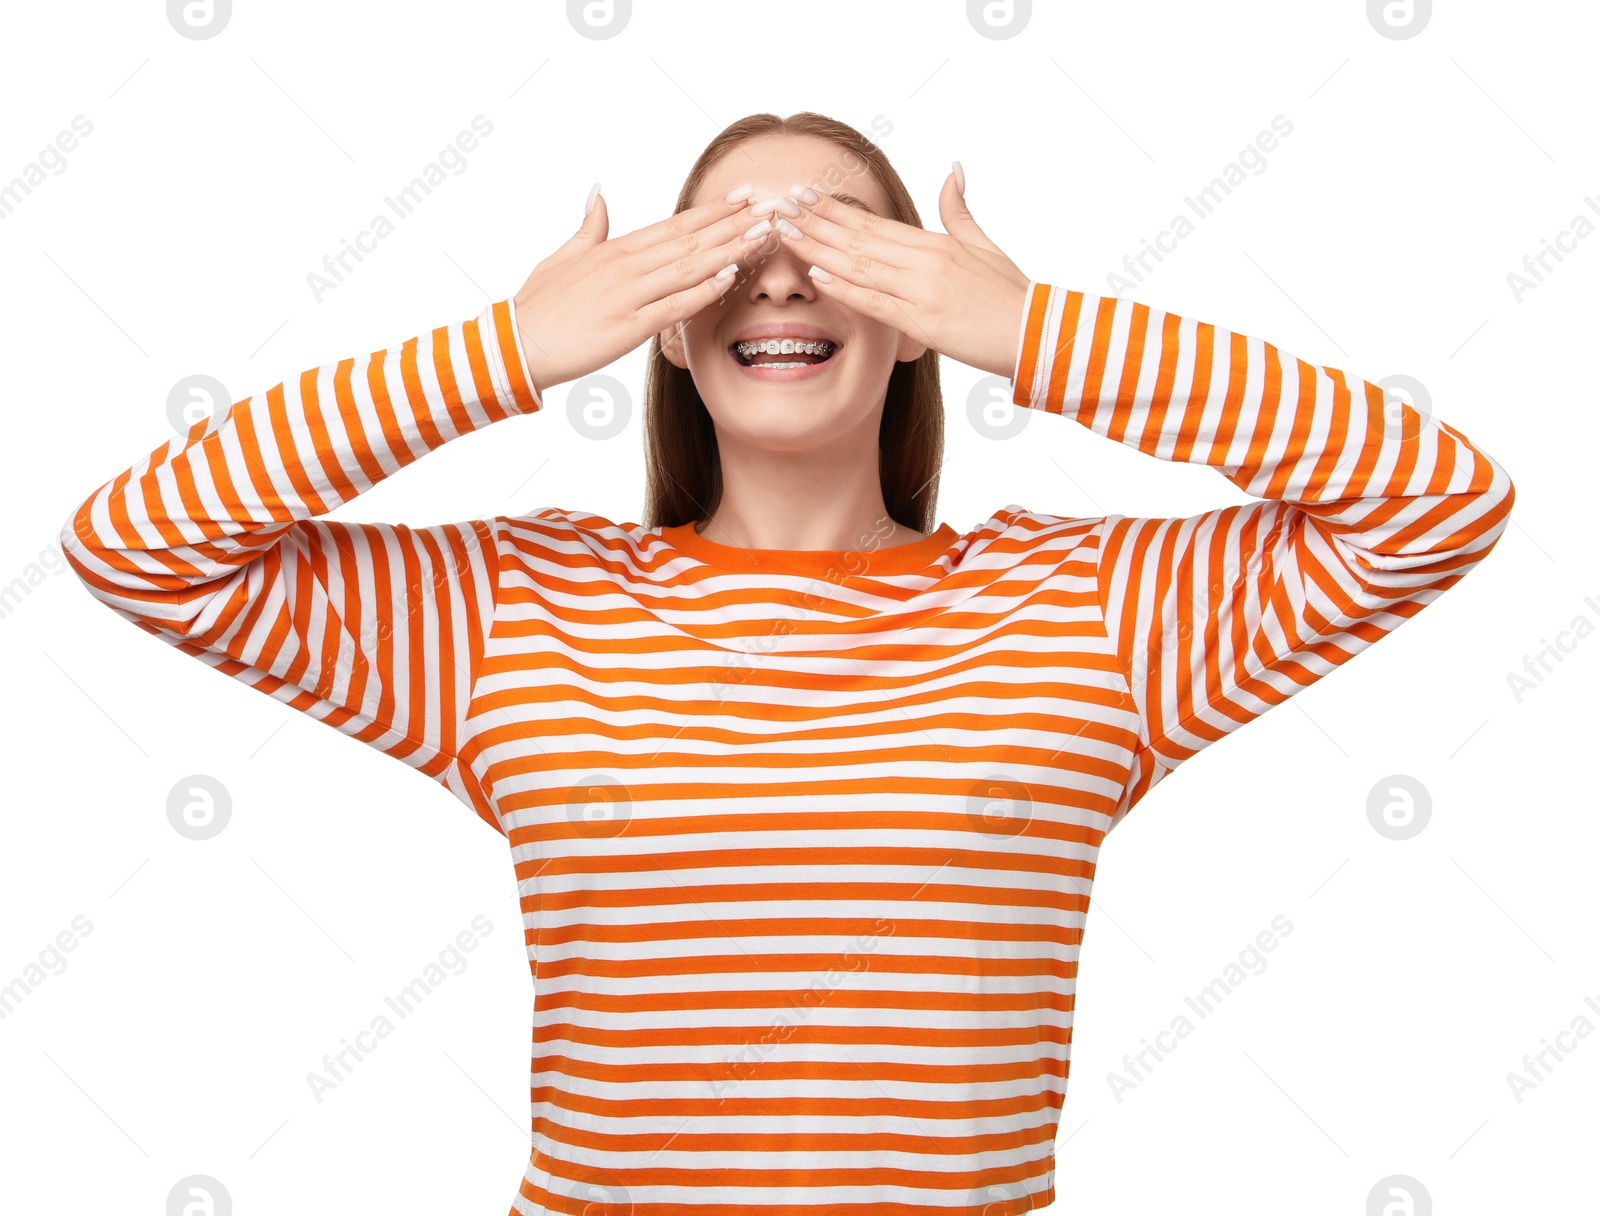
{"x":1199,"y":392}
{"x":445,"y":371}
{"x":1132,"y":365}
{"x":287,"y":458}
{"x":350,"y":414}
{"x":1095,"y":366}
{"x":1155,"y":421}
{"x":1032,"y":336}
{"x":382,"y":399}
{"x":483,"y":390}
{"x":522,"y":390}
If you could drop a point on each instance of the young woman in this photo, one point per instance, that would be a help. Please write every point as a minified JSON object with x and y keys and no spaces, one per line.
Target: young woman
{"x":804,"y":790}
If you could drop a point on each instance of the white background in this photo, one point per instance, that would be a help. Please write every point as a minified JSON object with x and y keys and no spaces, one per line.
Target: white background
{"x":218,"y":174}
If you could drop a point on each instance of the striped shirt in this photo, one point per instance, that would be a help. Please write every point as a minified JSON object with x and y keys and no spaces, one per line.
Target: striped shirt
{"x":804,"y":839}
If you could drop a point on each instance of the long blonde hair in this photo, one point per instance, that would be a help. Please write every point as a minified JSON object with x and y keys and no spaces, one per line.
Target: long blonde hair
{"x":683,"y":473}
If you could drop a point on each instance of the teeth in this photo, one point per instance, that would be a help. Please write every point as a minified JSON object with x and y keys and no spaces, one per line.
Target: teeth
{"x":785,"y":346}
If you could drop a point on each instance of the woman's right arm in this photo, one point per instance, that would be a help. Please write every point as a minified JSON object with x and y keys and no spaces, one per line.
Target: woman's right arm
{"x":213,"y":543}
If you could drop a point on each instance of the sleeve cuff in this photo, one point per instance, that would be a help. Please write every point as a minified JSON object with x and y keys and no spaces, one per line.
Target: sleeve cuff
{"x":508,"y":359}
{"x":1031,"y":379}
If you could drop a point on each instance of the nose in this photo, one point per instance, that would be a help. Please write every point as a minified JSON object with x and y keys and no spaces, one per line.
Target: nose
{"x":779,"y":274}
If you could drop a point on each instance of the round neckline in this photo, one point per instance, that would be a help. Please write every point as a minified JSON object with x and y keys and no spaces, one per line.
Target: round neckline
{"x":896,"y":559}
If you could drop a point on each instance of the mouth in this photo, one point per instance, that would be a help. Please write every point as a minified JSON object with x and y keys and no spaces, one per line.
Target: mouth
{"x":779,"y":355}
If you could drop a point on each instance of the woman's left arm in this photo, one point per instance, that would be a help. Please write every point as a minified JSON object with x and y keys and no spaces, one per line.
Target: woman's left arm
{"x":1369,"y":510}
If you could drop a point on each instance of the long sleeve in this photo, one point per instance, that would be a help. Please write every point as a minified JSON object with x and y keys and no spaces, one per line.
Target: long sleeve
{"x":1369,"y":511}
{"x":211,"y":543}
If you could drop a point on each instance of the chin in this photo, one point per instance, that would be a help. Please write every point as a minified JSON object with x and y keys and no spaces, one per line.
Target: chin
{"x":790,"y":422}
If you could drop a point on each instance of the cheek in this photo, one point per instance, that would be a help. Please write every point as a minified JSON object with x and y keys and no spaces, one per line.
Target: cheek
{"x":875,"y":347}
{"x":700,"y":346}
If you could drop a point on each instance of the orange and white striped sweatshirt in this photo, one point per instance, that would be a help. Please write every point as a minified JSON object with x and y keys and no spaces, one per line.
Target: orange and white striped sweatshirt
{"x":804,"y":840}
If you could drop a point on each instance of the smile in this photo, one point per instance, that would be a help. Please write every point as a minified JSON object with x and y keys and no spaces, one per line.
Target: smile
{"x":752,"y":354}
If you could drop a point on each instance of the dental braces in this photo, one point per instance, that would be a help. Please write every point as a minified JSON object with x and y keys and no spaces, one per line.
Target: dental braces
{"x":784,"y":346}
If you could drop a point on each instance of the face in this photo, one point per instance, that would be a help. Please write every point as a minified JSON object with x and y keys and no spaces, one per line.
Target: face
{"x":839,"y":400}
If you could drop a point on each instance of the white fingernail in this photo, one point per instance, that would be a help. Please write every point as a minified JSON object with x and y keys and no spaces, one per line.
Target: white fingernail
{"x":805,"y":194}
{"x":742,"y":192}
{"x":727,"y":271}
{"x":961,"y":177}
{"x":755,"y":230}
{"x":776,"y":203}
{"x":788,"y":229}
{"x":820,"y":275}
{"x":594,"y":193}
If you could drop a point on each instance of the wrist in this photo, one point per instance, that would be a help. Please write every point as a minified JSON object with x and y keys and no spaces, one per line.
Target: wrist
{"x":1008,"y":334}
{"x":522,"y":349}
{"x":528,"y":348}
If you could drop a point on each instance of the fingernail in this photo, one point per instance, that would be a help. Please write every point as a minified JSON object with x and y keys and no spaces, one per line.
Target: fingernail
{"x":727,"y":271}
{"x":805,"y":194}
{"x":820,"y":275}
{"x":755,"y":230}
{"x":740,"y":194}
{"x":776,"y":203}
{"x":594,"y":193}
{"x":788,"y":230}
{"x":961,"y":178}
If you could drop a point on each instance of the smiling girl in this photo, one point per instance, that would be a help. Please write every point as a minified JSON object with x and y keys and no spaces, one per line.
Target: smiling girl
{"x":804,"y":789}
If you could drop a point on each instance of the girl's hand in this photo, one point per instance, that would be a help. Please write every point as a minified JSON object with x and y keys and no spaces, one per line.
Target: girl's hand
{"x":594,"y":300}
{"x":957,"y":293}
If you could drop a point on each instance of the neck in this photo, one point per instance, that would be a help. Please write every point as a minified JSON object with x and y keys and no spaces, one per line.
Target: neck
{"x":827,"y":498}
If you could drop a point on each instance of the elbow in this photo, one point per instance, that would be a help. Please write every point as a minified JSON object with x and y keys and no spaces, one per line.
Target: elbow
{"x":1495,"y":502}
{"x":1479,"y":517}
{"x":78,"y":542}
{"x":100,"y":566}
{"x":1457,"y":530}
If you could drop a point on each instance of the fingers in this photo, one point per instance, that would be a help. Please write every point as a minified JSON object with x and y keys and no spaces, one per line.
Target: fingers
{"x":869,"y":301}
{"x":597,"y":219}
{"x":858,"y":258}
{"x":957,"y":219}
{"x":689,"y":220}
{"x":823,"y":210}
{"x":860,"y":269}
{"x":683,"y":303}
{"x":591,"y":232}
{"x":741,"y":240}
{"x":686,"y":249}
{"x":867,"y":248}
